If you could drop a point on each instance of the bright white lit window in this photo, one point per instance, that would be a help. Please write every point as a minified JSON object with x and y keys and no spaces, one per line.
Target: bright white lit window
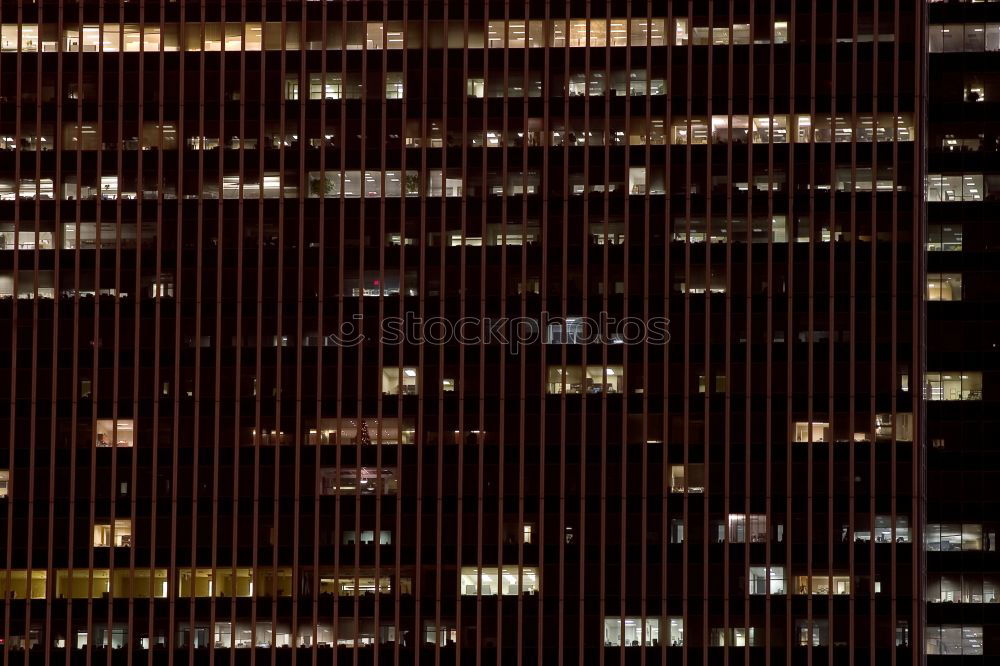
{"x":394,"y":85}
{"x":493,"y":581}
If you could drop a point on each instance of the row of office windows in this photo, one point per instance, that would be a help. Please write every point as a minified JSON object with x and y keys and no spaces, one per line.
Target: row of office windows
{"x":954,"y":537}
{"x":944,"y":237}
{"x":393,"y":432}
{"x":244,"y":634}
{"x":969,"y":37}
{"x":737,"y":528}
{"x":963,"y":588}
{"x":955,"y":640}
{"x":737,"y":230}
{"x":961,"y":187}
{"x":885,"y":427}
{"x":740,"y":129}
{"x":953,"y":385}
{"x":633,"y":631}
{"x":628,"y":631}
{"x":380,"y":35}
{"x":391,"y":184}
{"x":144,"y":583}
{"x":265,"y":582}
{"x":944,"y":286}
{"x":363,"y":480}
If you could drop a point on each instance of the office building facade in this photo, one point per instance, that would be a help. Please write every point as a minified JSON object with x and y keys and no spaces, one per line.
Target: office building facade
{"x":446,"y":332}
{"x":962,"y":186}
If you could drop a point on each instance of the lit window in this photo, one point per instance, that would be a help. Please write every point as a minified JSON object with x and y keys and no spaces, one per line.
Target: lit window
{"x":577,"y":32}
{"x":395,"y":382}
{"x":743,"y":528}
{"x":884,"y":428}
{"x":953,"y":386}
{"x":292,"y":87}
{"x":944,"y":238}
{"x":329,"y":86}
{"x":19,"y":585}
{"x":975,"y":92}
{"x":440,"y":185}
{"x":837,"y":584}
{"x":944,"y":286}
{"x":813,"y":633}
{"x":733,"y":637}
{"x":952,"y":537}
{"x":770,"y":130}
{"x":354,"y":481}
{"x":676,"y":530}
{"x":780,"y":32}
{"x":120,"y":534}
{"x":557,"y":33}
{"x":367,"y":537}
{"x":633,"y":631}
{"x":516,"y":35}
{"x":475,"y":88}
{"x":120,"y":433}
{"x":394,"y":85}
{"x":967,"y":187}
{"x":817,"y":431}
{"x":4,"y":483}
{"x":528,"y":531}
{"x":637,"y":180}
{"x":955,"y":640}
{"x":691,"y":480}
{"x":495,"y":30}
{"x":680,"y":31}
{"x":588,"y":379}
{"x":767,"y":580}
{"x":491,"y":581}
{"x":536,"y":34}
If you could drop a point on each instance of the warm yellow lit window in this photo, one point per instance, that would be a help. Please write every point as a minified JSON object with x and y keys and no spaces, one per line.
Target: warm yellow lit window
{"x":195,"y":582}
{"x":589,"y":379}
{"x":577,"y":33}
{"x":120,"y":433}
{"x":816,"y":431}
{"x":953,"y":386}
{"x":681,"y":34}
{"x":4,"y":483}
{"x":276,"y":582}
{"x":119,"y":533}
{"x":17,"y":584}
{"x":536,"y":34}
{"x":516,"y":35}
{"x":618,"y":29}
{"x":230,"y":583}
{"x":495,"y":30}
{"x":822,"y":584}
{"x":690,"y":480}
{"x":557,"y":33}
{"x":146,"y":584}
{"x":944,"y":286}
